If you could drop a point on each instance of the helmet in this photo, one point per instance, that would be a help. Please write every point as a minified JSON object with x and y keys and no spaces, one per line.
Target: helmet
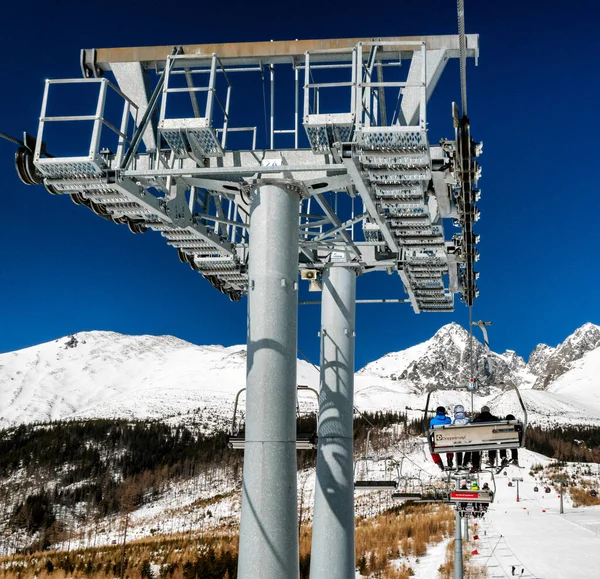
{"x":440,"y":410}
{"x":459,"y":408}
{"x":485,"y":409}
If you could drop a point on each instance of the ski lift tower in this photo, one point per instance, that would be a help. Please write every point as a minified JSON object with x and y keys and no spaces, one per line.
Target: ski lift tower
{"x":342,"y":184}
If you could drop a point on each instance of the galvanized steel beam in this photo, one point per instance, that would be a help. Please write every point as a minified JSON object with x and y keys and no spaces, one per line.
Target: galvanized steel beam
{"x":243,"y":53}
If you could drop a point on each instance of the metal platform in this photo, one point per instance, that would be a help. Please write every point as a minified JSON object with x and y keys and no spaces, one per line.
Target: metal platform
{"x":374,"y":191}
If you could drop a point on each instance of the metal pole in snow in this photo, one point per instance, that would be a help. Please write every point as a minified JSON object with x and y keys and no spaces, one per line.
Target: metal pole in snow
{"x":458,"y":556}
{"x":466,"y":529}
{"x":269,"y":520}
{"x":332,"y":554}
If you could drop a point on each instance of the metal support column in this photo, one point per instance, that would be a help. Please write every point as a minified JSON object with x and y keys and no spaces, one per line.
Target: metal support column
{"x":466,"y":529}
{"x":269,"y":519}
{"x":458,"y":555}
{"x":332,"y":554}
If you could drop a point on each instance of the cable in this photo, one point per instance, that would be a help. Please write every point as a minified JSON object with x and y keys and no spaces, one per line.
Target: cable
{"x":12,"y":139}
{"x":471,"y":351}
{"x":463,"y":55}
{"x":262,"y":73}
{"x":318,"y":370}
{"x":367,"y":420}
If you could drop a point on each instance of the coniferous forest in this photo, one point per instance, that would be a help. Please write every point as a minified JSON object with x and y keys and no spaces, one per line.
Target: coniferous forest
{"x":98,"y":468}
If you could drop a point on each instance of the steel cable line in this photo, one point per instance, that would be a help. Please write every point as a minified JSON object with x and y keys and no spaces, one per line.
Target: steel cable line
{"x":463,"y":55}
{"x":12,"y":139}
{"x":307,"y":359}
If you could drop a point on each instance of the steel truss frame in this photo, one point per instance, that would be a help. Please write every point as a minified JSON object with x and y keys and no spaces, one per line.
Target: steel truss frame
{"x":370,"y":182}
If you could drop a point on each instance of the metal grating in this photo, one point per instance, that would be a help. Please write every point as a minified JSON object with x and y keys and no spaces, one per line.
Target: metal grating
{"x":391,"y":139}
{"x":68,"y":168}
{"x":176,"y":142}
{"x":204,"y":142}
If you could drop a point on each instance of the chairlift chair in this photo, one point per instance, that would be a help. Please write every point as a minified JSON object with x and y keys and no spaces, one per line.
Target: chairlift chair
{"x":304,"y":440}
{"x":365,"y":481}
{"x":409,"y":488}
{"x":478,"y":436}
{"x":479,"y":497}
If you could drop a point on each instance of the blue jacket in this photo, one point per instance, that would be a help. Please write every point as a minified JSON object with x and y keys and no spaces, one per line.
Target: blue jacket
{"x":439,"y":419}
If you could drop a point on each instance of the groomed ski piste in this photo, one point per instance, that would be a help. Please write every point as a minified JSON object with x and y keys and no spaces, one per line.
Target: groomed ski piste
{"x":530,"y":534}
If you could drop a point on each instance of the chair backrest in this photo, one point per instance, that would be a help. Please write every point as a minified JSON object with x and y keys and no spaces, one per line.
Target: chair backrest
{"x":468,"y":496}
{"x":476,"y":436}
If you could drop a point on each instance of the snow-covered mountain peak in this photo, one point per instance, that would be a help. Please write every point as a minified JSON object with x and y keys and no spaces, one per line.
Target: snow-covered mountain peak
{"x":455,"y":334}
{"x":587,"y":337}
{"x":538,"y":359}
{"x":583,"y":340}
{"x":107,"y":374}
{"x":514,"y":361}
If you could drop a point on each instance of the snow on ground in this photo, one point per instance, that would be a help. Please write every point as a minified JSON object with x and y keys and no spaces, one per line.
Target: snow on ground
{"x":429,"y":564}
{"x":107,"y":375}
{"x":532,"y":535}
{"x":581,"y":381}
{"x":529,"y":534}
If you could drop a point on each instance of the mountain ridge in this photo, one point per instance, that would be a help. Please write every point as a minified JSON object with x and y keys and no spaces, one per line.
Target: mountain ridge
{"x":103,"y":374}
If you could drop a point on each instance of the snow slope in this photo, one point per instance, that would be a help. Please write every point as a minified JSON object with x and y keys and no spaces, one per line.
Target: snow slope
{"x":582,"y":381}
{"x":532,"y":535}
{"x":110,"y":375}
{"x":113,"y":375}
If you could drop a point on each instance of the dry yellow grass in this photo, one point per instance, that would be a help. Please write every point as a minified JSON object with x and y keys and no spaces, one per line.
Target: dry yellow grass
{"x":471,"y":569}
{"x":581,"y":497}
{"x":171,"y":553}
{"x":379,"y":540}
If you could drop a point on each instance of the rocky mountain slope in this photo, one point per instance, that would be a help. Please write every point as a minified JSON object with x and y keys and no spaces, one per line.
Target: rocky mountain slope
{"x":444,"y":360}
{"x":548,"y":364}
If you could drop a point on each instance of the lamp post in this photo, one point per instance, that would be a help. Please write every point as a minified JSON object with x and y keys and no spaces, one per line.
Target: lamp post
{"x":561,"y":481}
{"x":517,"y":480}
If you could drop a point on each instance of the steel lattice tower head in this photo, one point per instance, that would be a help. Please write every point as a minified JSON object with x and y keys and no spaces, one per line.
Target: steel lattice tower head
{"x":172,"y":156}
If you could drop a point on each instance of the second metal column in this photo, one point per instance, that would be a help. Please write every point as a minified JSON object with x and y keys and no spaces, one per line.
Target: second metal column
{"x":269,"y":521}
{"x":332,"y":553}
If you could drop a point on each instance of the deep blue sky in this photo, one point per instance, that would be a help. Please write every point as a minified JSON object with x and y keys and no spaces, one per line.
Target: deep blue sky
{"x":533,"y":101}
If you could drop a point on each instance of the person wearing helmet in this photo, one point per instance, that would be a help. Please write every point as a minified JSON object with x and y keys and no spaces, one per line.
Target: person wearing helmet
{"x":484,"y":416}
{"x":459,"y":419}
{"x":474,"y":486}
{"x":441,"y":419}
{"x":514,"y":453}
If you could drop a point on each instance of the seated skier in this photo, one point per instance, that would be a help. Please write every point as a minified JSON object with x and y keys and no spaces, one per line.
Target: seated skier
{"x":460,"y":418}
{"x":486,"y":487}
{"x":484,"y":416}
{"x":440,"y":418}
{"x":514,"y":453}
